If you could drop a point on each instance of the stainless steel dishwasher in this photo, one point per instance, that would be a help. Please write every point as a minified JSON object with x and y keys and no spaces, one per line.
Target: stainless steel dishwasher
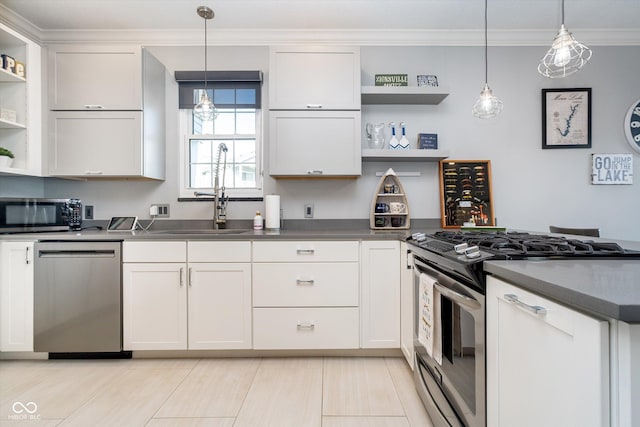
{"x":78,"y":297}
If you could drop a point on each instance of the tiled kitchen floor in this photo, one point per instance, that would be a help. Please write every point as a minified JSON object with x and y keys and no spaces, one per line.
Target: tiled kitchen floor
{"x":234,"y":392}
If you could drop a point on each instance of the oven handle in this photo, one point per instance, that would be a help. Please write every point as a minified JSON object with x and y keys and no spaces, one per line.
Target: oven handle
{"x":445,"y":290}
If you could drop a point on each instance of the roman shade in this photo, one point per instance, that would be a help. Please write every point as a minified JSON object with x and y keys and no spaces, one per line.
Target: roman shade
{"x":227,"y":89}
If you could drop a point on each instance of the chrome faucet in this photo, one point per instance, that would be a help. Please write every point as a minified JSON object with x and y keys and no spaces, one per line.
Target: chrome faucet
{"x":219,"y":198}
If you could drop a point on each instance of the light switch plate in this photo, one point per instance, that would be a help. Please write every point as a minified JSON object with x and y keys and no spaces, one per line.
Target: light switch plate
{"x":308,"y":210}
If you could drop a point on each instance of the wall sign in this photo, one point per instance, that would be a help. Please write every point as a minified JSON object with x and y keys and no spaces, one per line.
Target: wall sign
{"x":612,"y":169}
{"x":632,"y":125}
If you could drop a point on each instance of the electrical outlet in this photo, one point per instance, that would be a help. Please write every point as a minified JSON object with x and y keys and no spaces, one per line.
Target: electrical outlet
{"x":308,"y":210}
{"x":159,"y":210}
{"x":88,"y":212}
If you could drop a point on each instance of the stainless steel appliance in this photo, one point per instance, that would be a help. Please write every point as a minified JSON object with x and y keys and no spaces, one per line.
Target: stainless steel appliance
{"x":78,"y":297}
{"x":20,"y":215}
{"x":449,"y":339}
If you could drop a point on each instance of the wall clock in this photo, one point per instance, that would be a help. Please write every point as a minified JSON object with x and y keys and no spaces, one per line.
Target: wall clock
{"x":632,"y":125}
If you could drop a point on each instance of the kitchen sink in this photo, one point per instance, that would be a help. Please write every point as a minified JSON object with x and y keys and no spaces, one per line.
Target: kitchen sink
{"x":202,"y":231}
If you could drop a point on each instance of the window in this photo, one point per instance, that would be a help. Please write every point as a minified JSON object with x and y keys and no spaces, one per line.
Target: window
{"x":232,"y":138}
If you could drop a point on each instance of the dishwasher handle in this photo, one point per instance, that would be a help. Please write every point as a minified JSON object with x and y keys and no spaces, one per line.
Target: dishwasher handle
{"x":97,"y":253}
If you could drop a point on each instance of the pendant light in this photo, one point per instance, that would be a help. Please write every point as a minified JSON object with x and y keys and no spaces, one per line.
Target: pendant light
{"x":205,"y":110}
{"x":487,"y":106}
{"x":566,"y":55}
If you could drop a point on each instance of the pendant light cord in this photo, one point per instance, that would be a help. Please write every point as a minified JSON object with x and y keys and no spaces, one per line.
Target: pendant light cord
{"x":486,"y":61}
{"x":205,"y":55}
{"x":562,"y":12}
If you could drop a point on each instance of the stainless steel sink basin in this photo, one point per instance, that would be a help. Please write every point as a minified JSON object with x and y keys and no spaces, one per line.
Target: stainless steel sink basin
{"x":201,"y":231}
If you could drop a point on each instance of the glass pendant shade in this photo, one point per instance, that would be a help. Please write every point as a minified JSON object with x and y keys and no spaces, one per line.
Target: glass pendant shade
{"x":487,"y":106}
{"x":205,"y":110}
{"x":565,"y":57}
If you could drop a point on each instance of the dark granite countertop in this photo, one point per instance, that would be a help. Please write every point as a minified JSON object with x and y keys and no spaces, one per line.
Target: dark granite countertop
{"x":608,"y":288}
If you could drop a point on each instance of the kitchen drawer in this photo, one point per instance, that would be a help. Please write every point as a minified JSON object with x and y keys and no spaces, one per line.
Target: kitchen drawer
{"x":305,"y":328}
{"x":305,"y":284}
{"x":306,"y":251}
{"x":225,"y":251}
{"x":154,"y":251}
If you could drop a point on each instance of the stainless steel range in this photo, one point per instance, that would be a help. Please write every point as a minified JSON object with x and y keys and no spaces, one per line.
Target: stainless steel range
{"x":449,"y":339}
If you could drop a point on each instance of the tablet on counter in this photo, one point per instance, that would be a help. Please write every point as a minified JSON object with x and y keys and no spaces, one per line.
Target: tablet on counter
{"x":122,"y":223}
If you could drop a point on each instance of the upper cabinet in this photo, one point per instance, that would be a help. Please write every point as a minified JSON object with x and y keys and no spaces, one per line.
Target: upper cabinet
{"x":314,"y":117}
{"x":20,"y":103}
{"x":314,"y":78}
{"x":107,"y":112}
{"x":95,"y":78}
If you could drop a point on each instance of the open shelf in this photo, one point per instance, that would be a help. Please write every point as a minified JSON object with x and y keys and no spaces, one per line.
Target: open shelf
{"x":6,"y":76}
{"x":4,"y":124}
{"x":410,"y":95}
{"x":412,"y":155}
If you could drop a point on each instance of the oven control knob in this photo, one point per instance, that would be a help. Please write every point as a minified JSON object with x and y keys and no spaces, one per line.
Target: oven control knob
{"x":472,"y":252}
{"x":419,"y":237}
{"x":460,"y":248}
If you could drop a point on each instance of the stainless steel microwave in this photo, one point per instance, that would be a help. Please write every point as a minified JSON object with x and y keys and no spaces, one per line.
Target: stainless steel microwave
{"x":22,"y":215}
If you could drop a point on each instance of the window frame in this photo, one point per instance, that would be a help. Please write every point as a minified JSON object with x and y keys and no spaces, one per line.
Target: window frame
{"x":186,"y":135}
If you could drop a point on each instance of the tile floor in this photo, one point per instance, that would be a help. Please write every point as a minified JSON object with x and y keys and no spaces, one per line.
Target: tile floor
{"x":234,"y":392}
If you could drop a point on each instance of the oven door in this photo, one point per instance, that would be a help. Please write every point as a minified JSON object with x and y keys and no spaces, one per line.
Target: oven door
{"x":450,"y":348}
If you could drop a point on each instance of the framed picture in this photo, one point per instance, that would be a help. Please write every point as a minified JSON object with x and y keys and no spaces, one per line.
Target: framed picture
{"x":566,"y":118}
{"x":465,"y":193}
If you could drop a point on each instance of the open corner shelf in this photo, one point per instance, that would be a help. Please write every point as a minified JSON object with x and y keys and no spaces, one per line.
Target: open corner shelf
{"x":413,"y":155}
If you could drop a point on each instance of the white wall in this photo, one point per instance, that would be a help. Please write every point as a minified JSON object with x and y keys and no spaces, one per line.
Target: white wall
{"x":532,"y":188}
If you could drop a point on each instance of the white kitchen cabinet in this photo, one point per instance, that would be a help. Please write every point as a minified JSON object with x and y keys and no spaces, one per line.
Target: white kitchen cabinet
{"x":305,"y":295}
{"x":95,"y":77}
{"x":23,"y":95}
{"x":171,"y":303}
{"x":407,"y":304}
{"x":16,"y":296}
{"x":548,"y":369}
{"x":380,"y":290}
{"x":154,"y":306}
{"x":314,"y":78}
{"x":315,"y":144}
{"x":107,"y":115}
{"x":219,"y":295}
{"x":314,"y":117}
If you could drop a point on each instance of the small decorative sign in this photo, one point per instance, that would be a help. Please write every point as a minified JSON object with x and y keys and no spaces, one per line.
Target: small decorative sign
{"x":428,"y":141}
{"x":392,"y":80}
{"x":611,"y":169}
{"x":427,"y":80}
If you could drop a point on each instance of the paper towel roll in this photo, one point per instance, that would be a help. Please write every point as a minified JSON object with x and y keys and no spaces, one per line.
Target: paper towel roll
{"x":272,"y":211}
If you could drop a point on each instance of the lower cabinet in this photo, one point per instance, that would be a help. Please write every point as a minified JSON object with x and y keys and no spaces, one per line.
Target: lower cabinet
{"x":171,"y":303}
{"x":544,"y":369}
{"x":407,"y":304}
{"x":380,"y":294}
{"x":305,"y":295}
{"x":16,"y":296}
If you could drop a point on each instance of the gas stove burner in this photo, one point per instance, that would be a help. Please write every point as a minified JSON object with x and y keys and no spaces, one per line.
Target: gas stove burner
{"x":522,"y":245}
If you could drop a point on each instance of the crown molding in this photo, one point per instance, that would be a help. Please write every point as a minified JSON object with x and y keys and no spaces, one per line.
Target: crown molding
{"x":367,"y":37}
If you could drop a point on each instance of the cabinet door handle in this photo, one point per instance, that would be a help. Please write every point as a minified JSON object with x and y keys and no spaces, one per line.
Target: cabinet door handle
{"x":314,"y":172}
{"x":93,"y":173}
{"x":304,"y":282}
{"x":314,"y":106}
{"x":190,"y":278}
{"x":306,"y":326}
{"x":535,"y":309}
{"x":305,"y":251}
{"x":181,"y":277}
{"x":26,"y":256}
{"x":94,"y":107}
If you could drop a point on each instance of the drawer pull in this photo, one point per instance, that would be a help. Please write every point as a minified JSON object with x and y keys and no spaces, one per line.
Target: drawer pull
{"x":304,"y":282}
{"x":535,"y":309}
{"x":181,"y":277}
{"x":306,"y":326}
{"x":305,"y":251}
{"x":94,"y":107}
{"x":314,"y":106}
{"x":314,"y":172}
